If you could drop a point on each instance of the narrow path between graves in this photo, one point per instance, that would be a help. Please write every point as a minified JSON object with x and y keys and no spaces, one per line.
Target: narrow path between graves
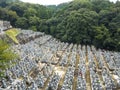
{"x":63,"y":76}
{"x":88,"y":80}
{"x":47,"y":81}
{"x":76,"y":73}
{"x":99,"y":72}
{"x":62,"y":79}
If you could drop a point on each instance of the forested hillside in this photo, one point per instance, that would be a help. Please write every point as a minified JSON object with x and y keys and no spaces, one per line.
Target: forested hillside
{"x":92,"y":22}
{"x":24,"y":15}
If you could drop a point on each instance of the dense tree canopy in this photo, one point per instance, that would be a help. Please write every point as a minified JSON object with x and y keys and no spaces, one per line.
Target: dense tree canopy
{"x":93,"y":22}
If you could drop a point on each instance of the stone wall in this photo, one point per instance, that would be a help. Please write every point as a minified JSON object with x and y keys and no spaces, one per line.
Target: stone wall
{"x":4,"y":25}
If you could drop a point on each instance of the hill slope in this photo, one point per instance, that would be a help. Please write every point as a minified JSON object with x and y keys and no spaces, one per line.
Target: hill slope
{"x":46,"y":63}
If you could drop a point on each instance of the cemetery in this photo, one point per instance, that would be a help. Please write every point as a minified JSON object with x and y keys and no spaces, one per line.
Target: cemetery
{"x":46,"y":63}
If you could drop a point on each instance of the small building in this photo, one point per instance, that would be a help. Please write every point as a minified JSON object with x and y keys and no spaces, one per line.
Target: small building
{"x":4,"y":25}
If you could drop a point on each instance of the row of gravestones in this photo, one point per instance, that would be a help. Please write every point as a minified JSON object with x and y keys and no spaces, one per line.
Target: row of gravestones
{"x":68,"y":81}
{"x":99,"y":58}
{"x":95,"y":80}
{"x":109,"y":60}
{"x":73,"y":59}
{"x":54,"y":81}
{"x":116,"y":58}
{"x":81,"y":80}
{"x":64,"y":60}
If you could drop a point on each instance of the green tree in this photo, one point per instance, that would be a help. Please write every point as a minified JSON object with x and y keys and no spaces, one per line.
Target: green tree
{"x":102,"y":36}
{"x":8,"y":15}
{"x":22,"y":23}
{"x":6,"y":57}
{"x":19,"y":8}
{"x":30,"y":12}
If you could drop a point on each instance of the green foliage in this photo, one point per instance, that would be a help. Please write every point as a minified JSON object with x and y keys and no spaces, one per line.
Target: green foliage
{"x":12,"y":33}
{"x":22,"y":22}
{"x":93,"y":22}
{"x":8,"y":15}
{"x":24,"y":15}
{"x":6,"y":57}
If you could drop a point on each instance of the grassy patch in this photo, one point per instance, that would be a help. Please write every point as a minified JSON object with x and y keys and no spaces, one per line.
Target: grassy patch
{"x":12,"y":33}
